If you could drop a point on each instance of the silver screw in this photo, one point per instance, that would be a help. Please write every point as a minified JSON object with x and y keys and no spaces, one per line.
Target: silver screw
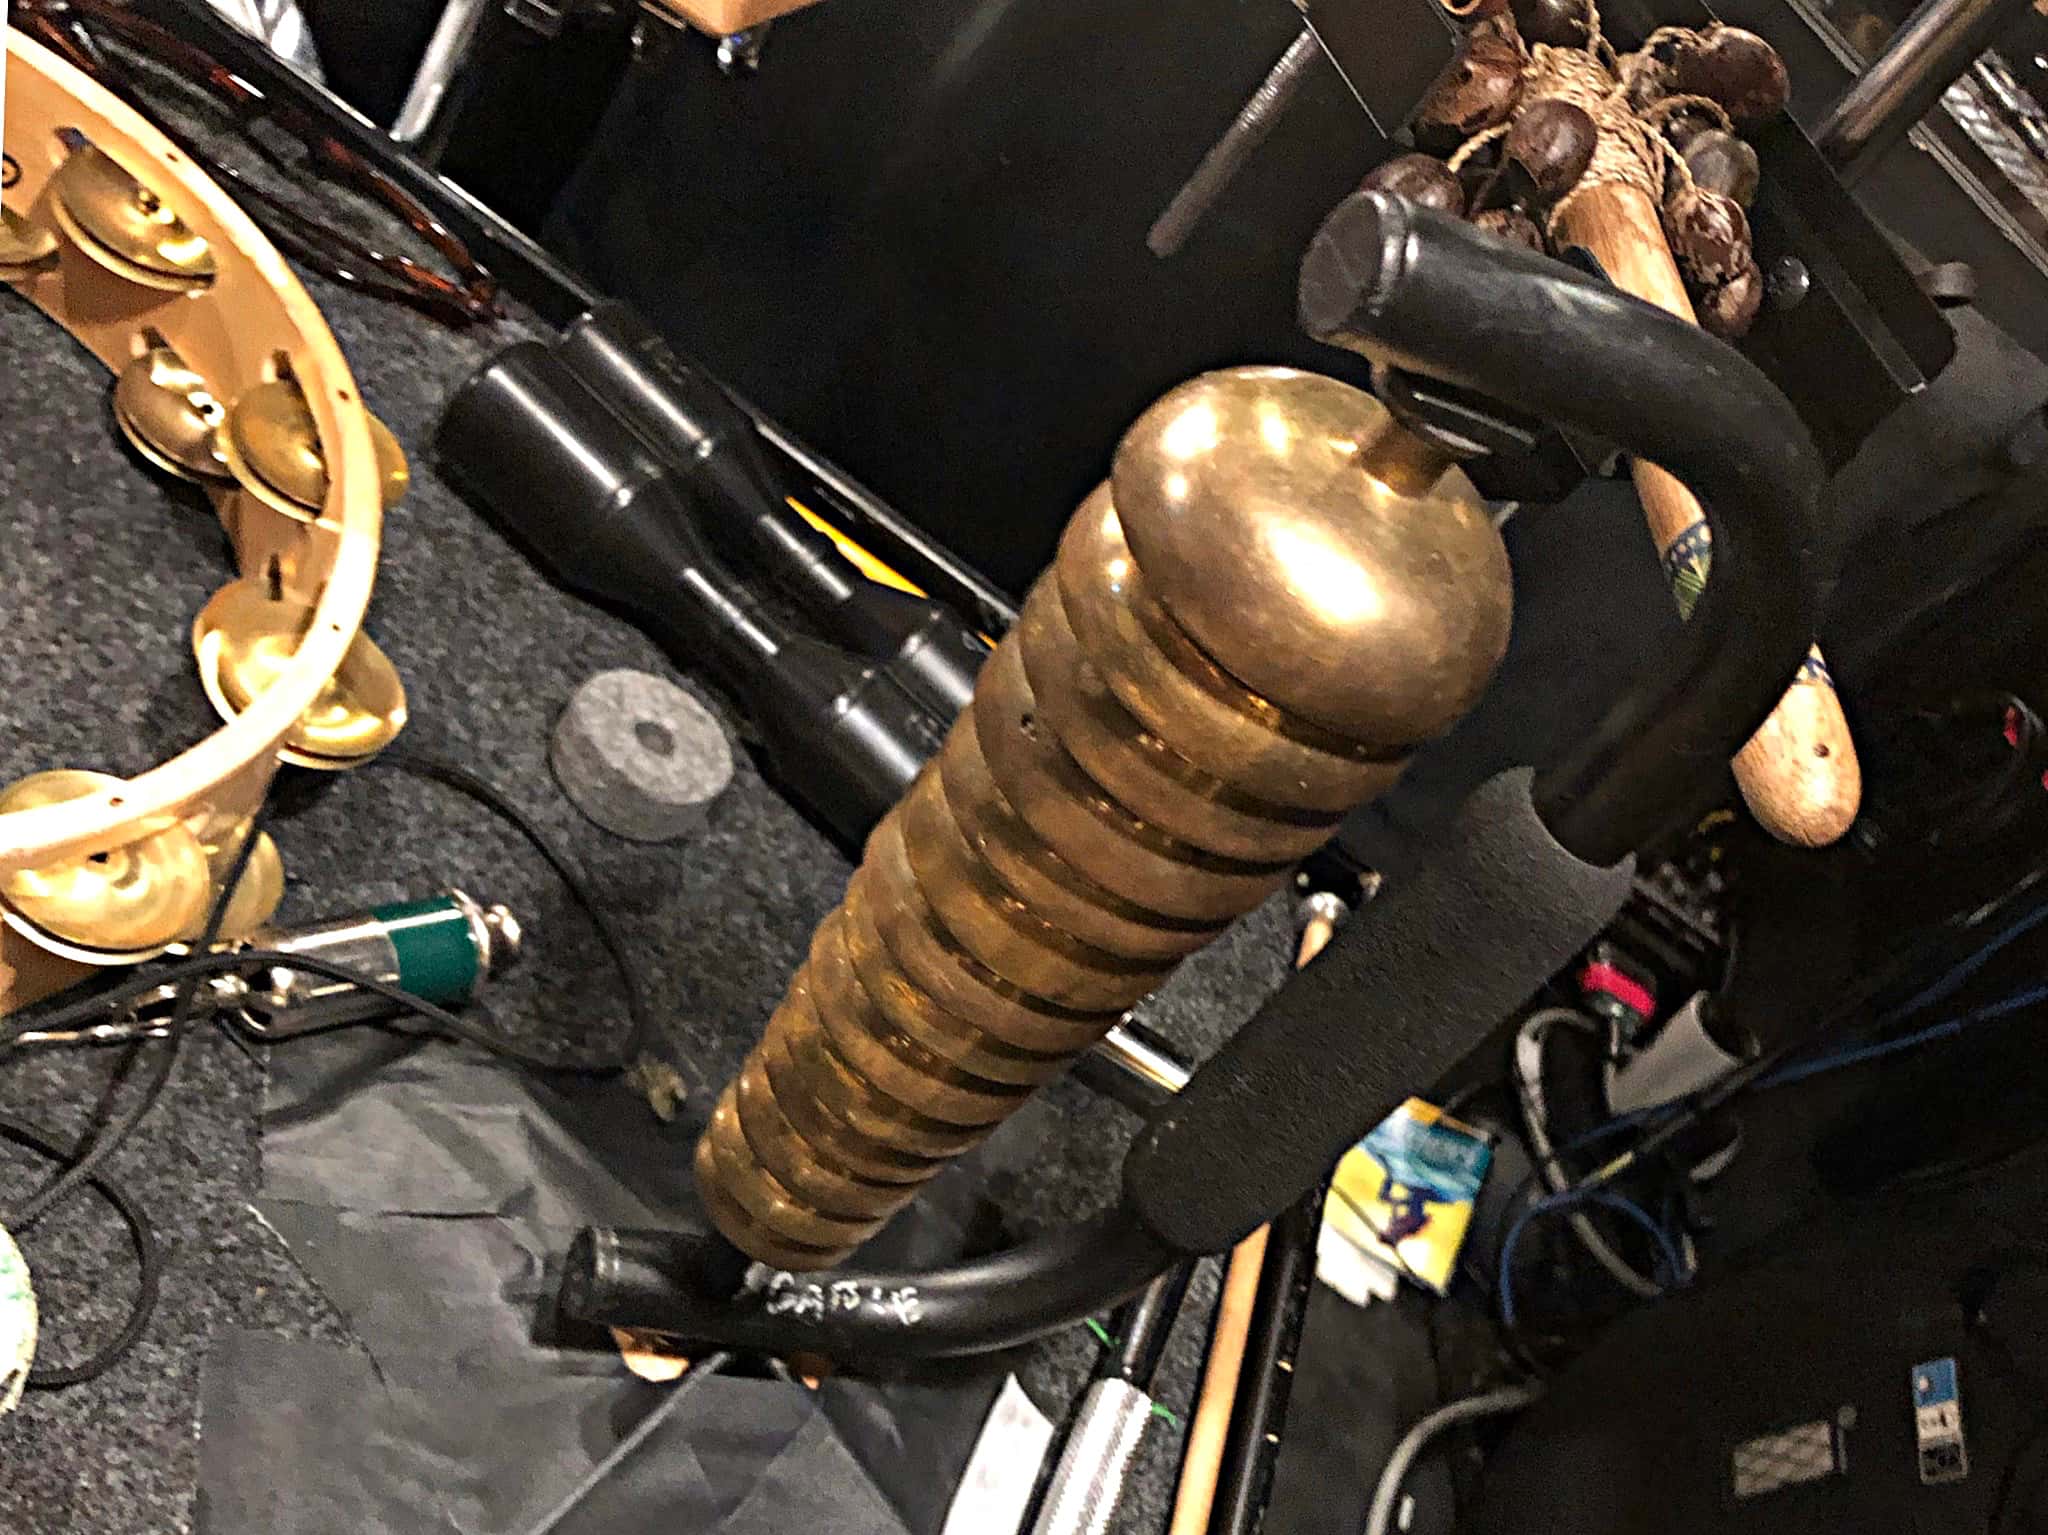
{"x":1226,"y":157}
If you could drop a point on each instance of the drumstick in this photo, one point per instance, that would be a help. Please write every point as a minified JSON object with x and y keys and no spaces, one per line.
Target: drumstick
{"x":1204,"y":1459}
{"x":1203,"y":1462}
{"x":1798,"y":773}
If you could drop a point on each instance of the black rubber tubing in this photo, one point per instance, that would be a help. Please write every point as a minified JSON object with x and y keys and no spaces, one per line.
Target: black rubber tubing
{"x":674,"y":1282}
{"x":1420,"y":291}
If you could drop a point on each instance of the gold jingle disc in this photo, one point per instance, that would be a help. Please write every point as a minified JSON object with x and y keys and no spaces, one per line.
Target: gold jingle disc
{"x":171,"y":417}
{"x":245,"y":639}
{"x":273,"y":448}
{"x":125,"y":226}
{"x":261,"y":887}
{"x":394,"y":474}
{"x":25,"y":246}
{"x":258,"y":893}
{"x":109,"y":908}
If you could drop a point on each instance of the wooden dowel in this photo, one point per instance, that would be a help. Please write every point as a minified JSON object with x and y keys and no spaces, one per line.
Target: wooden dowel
{"x":1204,"y":1460}
{"x":1798,"y":773}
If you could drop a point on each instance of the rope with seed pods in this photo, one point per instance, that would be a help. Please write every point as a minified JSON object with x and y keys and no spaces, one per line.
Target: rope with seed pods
{"x":1563,"y":117}
{"x":1626,"y":151}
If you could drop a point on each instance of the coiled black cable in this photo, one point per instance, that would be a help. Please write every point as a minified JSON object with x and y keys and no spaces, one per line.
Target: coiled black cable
{"x":96,"y":1151}
{"x":148,"y":1258}
{"x":495,"y":800}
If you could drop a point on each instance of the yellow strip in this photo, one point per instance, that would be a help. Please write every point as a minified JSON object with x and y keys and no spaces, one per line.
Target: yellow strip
{"x":856,"y":556}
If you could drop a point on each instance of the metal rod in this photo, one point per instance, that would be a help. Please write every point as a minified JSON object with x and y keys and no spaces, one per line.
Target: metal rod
{"x":1925,"y":56}
{"x":1226,"y":157}
{"x":1135,"y":1066}
{"x":447,"y":51}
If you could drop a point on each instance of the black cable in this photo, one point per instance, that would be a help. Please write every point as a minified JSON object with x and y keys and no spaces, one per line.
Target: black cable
{"x":460,"y":779}
{"x":451,"y":1024}
{"x":201,"y":966}
{"x":148,"y":1257}
{"x":1143,"y":1328}
{"x":82,"y":1166}
{"x":94,"y":1152}
{"x":1860,"y":999}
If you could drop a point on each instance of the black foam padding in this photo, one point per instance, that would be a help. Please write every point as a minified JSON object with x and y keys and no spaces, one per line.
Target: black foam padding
{"x":1404,"y":990}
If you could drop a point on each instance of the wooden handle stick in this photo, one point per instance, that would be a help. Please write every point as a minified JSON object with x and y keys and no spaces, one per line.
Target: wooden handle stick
{"x":1203,"y":1463}
{"x":1204,"y":1460}
{"x":1798,"y":773}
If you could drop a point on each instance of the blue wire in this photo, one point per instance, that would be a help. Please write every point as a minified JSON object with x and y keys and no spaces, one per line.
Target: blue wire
{"x":1944,"y":987}
{"x":1594,"y":1136}
{"x":1800,"y":1071}
{"x":1948,"y":984}
{"x":1620,"y":1203}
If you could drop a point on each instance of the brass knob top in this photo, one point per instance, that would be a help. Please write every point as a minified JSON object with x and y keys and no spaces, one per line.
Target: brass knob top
{"x":111,"y":907}
{"x":1250,"y":501}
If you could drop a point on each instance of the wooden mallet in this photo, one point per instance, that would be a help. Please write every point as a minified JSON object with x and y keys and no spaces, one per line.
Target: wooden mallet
{"x":1798,"y":774}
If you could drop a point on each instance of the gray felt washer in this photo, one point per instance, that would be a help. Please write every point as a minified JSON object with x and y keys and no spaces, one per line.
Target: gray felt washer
{"x":639,"y":756}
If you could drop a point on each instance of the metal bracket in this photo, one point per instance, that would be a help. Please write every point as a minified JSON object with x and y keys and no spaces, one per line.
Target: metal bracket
{"x":1461,"y":423}
{"x":548,"y":18}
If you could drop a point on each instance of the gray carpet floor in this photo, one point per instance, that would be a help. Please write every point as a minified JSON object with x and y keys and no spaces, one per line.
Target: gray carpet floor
{"x":103,"y":567}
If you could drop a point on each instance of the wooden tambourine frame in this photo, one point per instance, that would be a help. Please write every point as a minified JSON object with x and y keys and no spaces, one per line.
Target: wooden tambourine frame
{"x":251,"y":324}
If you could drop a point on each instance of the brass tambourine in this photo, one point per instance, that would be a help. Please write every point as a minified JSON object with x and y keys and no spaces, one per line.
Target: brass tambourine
{"x":225,"y":375}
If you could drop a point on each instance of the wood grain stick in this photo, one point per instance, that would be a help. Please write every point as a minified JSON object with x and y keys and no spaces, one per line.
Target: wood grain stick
{"x":1798,"y":773}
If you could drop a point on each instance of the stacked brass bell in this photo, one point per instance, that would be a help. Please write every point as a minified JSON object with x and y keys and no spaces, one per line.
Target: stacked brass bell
{"x":1278,"y":594}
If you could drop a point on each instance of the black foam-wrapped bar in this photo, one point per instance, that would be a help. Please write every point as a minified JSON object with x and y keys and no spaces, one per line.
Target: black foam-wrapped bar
{"x":1410,"y":984}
